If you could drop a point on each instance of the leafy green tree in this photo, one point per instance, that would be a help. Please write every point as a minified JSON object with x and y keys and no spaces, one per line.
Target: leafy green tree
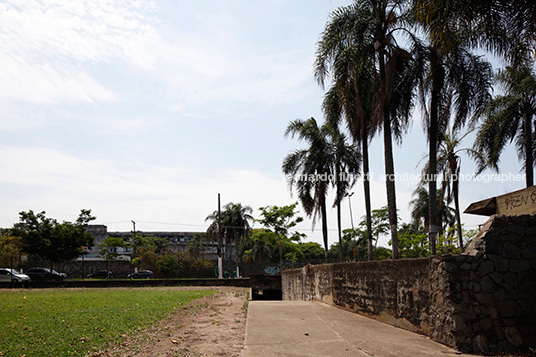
{"x":167,"y":264}
{"x":108,"y":247}
{"x":413,"y":241}
{"x":148,"y":249}
{"x":292,"y":252}
{"x":311,"y":250}
{"x":196,"y":246}
{"x":382,"y":253}
{"x":53,"y":241}
{"x":146,"y":257}
{"x":511,"y":116}
{"x":380,"y":223}
{"x":360,"y":241}
{"x":280,"y":220}
{"x":10,"y":250}
{"x":261,"y":246}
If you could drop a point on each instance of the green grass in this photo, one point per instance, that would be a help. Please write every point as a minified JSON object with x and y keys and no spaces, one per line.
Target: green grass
{"x":75,"y":322}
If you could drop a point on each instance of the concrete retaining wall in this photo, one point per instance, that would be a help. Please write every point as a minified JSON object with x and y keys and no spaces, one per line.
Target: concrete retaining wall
{"x":483,"y":301}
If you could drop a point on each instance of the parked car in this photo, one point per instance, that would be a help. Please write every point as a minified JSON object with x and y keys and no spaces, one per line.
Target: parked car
{"x":44,"y":274}
{"x":101,"y":274}
{"x":12,"y":275}
{"x":141,"y":274}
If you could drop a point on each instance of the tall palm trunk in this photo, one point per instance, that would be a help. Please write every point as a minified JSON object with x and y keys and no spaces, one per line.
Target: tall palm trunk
{"x":529,"y":163}
{"x":437,"y":84}
{"x":324,"y":214}
{"x":366,"y":186}
{"x":339,"y":196}
{"x":457,"y":208}
{"x":432,"y":173}
{"x":389,"y":161}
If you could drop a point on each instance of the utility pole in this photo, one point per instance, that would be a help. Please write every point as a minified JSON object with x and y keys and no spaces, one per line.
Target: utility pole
{"x":134,"y":242}
{"x":220,"y":242}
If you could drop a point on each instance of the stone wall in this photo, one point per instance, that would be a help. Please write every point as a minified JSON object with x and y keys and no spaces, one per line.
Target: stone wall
{"x":485,"y":300}
{"x":482,"y":301}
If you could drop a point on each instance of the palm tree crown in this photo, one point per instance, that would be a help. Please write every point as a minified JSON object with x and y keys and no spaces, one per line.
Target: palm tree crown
{"x":508,"y":117}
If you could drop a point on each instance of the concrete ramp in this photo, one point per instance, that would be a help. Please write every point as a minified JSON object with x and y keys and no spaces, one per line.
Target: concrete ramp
{"x":307,"y":328}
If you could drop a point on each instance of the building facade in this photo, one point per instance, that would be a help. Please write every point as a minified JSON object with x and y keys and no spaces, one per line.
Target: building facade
{"x":176,"y":242}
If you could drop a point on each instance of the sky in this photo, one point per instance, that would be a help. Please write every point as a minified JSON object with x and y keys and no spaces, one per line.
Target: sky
{"x":146,"y":110}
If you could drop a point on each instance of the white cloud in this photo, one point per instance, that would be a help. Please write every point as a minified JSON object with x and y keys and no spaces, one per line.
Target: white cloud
{"x":62,"y":184}
{"x":46,"y":48}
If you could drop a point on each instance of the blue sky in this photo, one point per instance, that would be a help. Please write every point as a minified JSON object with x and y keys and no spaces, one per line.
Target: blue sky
{"x":145,"y":110}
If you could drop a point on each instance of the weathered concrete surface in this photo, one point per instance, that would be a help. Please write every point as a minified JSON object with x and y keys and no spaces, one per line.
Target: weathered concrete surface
{"x":394,"y":292}
{"x":308,"y":328}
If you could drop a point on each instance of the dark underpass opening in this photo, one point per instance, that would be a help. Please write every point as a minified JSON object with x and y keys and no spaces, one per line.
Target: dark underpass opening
{"x":266,"y":287}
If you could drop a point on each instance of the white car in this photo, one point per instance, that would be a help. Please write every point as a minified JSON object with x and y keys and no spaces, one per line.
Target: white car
{"x":12,"y":275}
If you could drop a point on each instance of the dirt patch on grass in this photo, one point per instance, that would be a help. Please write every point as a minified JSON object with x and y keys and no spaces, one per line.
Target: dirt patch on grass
{"x":212,"y":326}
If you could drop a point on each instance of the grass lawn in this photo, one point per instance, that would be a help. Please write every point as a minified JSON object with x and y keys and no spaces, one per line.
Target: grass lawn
{"x":74,"y":322}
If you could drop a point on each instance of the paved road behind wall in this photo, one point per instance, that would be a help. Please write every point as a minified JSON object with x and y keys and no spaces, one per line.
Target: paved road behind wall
{"x":307,"y":328}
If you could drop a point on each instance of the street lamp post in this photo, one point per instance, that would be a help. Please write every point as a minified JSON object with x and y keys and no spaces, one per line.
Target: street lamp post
{"x":350,"y":204}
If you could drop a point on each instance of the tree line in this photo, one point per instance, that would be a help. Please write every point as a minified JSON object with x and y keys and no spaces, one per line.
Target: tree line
{"x":278,"y":240}
{"x":380,"y":59}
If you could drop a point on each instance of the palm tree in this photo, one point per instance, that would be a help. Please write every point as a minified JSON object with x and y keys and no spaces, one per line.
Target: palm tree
{"x":508,"y":117}
{"x":508,"y":28}
{"x":235,"y":221}
{"x":455,"y":83}
{"x":346,"y":167}
{"x":310,"y":170}
{"x":448,"y":167}
{"x":449,"y":163}
{"x":420,"y":210}
{"x":351,"y":96}
{"x":347,"y":157}
{"x":369,"y":26}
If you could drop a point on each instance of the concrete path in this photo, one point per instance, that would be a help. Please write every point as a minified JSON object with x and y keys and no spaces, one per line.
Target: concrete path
{"x":307,"y":328}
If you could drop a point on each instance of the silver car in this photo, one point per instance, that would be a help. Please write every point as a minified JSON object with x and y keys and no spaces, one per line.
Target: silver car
{"x":12,"y":275}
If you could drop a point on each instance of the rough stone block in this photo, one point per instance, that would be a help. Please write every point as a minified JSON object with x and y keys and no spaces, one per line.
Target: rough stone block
{"x":508,"y":308}
{"x":480,"y":343}
{"x":486,"y":324}
{"x":493,"y":313}
{"x":486,"y":299}
{"x":517,"y":266}
{"x":485,"y":268}
{"x":499,"y":294}
{"x":513,"y":336}
{"x":487,"y":284}
{"x":459,"y":323}
{"x":476,"y":287}
{"x":501,"y":264}
{"x":510,"y":251}
{"x":529,"y":254}
{"x":511,"y":278}
{"x":496,"y":277}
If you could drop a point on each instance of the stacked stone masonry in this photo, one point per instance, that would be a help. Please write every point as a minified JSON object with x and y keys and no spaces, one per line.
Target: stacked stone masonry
{"x":483,"y":301}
